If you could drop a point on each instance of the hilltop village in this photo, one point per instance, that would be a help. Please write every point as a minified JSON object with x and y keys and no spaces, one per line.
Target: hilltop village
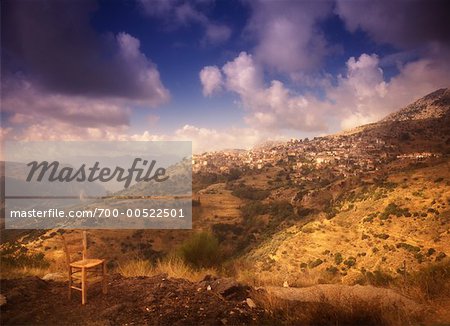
{"x":338,"y":155}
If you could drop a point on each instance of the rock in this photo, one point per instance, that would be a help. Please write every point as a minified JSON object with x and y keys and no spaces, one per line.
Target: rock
{"x":112,"y":311}
{"x":285,"y":284}
{"x":57,"y":277}
{"x":230,"y":288}
{"x":2,"y":300}
{"x":208,"y":288}
{"x":250,"y":303}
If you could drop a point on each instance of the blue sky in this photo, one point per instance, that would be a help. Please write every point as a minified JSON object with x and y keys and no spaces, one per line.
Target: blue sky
{"x":220,"y":73}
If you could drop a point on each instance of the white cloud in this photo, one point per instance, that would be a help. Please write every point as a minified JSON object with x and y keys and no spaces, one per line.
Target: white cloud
{"x":273,"y":107}
{"x":146,"y":75}
{"x":288,"y":38}
{"x":360,"y":96}
{"x":205,"y":139}
{"x":211,"y":79}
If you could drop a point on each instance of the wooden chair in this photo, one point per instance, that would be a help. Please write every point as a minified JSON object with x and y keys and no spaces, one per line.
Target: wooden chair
{"x":84,"y":272}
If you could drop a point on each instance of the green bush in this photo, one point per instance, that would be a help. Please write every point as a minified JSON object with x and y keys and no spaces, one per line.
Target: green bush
{"x":16,"y":255}
{"x":248,"y":192}
{"x":253,"y":208}
{"x":338,"y":258}
{"x":394,"y":209}
{"x":333,"y":270}
{"x":351,"y":261}
{"x":201,"y":250}
{"x":315,"y":263}
{"x":383,"y":236}
{"x":407,"y":247}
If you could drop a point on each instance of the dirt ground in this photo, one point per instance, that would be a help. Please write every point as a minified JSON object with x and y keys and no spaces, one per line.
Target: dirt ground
{"x":130,"y":301}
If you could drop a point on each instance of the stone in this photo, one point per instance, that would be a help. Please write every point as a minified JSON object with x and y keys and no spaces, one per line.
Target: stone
{"x":57,"y":277}
{"x":250,"y":303}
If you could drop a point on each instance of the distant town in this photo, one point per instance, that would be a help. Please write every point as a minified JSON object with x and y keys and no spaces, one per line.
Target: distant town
{"x":339,"y":155}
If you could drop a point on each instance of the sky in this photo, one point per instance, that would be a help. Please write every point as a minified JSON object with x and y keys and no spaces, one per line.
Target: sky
{"x":224,"y":74}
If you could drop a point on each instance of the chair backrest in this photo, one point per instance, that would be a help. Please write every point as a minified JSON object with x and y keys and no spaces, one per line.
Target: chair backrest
{"x":68,"y":252}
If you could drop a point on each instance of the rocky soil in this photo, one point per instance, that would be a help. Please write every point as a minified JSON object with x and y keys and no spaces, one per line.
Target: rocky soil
{"x":130,"y":301}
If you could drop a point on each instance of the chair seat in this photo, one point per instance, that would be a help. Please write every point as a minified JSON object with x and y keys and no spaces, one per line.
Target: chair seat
{"x":87,"y":263}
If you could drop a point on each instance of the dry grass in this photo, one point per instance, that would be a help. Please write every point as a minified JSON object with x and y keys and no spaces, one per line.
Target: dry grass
{"x":174,"y":267}
{"x":8,"y":272}
{"x":327,"y":312}
{"x":430,"y":284}
{"x":246,"y":273}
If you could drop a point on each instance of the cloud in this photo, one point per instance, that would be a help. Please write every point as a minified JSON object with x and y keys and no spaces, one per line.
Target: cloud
{"x":287,"y":33}
{"x":203,"y":139}
{"x":54,"y":46}
{"x":359,"y":96}
{"x":404,"y":24}
{"x":180,"y":13}
{"x":62,"y":80}
{"x":363,"y":95}
{"x":211,"y":79}
{"x":25,"y":104}
{"x":206,"y":139}
{"x":270,"y":108}
{"x":216,"y":33}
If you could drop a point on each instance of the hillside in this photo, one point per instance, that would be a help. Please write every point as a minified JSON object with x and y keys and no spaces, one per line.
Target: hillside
{"x":370,"y":206}
{"x":435,"y":105}
{"x":375,"y":227}
{"x":421,"y":126}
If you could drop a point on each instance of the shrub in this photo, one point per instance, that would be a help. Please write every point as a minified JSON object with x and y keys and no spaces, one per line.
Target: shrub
{"x":407,"y":247}
{"x":201,"y":250}
{"x":332,"y":270}
{"x":394,"y":209}
{"x":15,"y":255}
{"x":351,"y":261}
{"x":253,"y":208}
{"x":338,"y":258}
{"x":248,"y":192}
{"x":431,"y":251}
{"x":383,"y":236}
{"x":440,"y":256}
{"x":315,"y":263}
{"x":378,"y":278}
{"x":281,"y":209}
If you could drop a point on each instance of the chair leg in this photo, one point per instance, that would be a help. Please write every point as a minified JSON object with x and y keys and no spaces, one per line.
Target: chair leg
{"x":104,"y":289}
{"x":70,"y":284}
{"x":83,"y":286}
